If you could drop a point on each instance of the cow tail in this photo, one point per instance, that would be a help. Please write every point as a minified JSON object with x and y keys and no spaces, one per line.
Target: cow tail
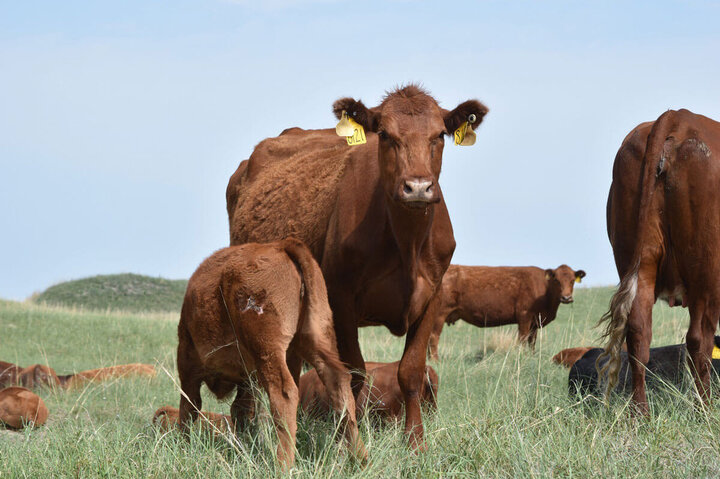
{"x":616,"y":318}
{"x":316,"y":310}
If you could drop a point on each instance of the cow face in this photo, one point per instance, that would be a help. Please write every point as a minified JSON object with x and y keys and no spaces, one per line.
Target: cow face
{"x":561,"y":282}
{"x":411,"y":129}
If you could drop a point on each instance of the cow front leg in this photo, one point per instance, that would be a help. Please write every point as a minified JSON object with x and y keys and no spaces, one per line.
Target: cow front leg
{"x":411,"y":377}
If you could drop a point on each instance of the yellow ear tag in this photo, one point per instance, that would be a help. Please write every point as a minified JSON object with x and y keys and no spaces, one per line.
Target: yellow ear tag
{"x":577,"y":279}
{"x":716,"y":353}
{"x":353,"y":131}
{"x":465,"y":136}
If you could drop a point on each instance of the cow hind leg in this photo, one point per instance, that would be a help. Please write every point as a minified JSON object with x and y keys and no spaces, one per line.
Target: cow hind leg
{"x":242,"y":410}
{"x":700,"y":341}
{"x":280,"y":386}
{"x":639,"y":335}
{"x":190,"y":398}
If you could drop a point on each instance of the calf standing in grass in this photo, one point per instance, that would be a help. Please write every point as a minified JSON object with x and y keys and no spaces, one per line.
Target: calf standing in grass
{"x":258,"y":308}
{"x":498,"y":295}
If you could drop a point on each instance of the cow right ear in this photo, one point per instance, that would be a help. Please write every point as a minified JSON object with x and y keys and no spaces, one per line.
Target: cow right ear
{"x":367,"y":117}
{"x":549,"y":274}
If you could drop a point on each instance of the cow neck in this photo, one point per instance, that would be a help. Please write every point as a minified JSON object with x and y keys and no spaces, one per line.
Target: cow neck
{"x":410,"y":229}
{"x":552,"y":300}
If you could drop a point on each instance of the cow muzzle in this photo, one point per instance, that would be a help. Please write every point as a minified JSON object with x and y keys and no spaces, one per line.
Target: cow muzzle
{"x":418,"y":192}
{"x":566,"y":299}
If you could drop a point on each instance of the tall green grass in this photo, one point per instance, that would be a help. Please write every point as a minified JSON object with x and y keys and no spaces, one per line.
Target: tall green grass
{"x":504,"y":411}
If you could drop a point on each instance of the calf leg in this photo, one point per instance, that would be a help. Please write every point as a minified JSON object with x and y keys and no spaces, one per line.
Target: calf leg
{"x":524,"y":328}
{"x":190,"y":382}
{"x":700,"y":341}
{"x":434,"y":340}
{"x":276,"y":379}
{"x":242,"y":410}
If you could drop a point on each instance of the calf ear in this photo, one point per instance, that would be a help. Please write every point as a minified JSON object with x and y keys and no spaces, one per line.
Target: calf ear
{"x":455,"y":118}
{"x":549,"y":274}
{"x":579,"y":274}
{"x":356,"y":110}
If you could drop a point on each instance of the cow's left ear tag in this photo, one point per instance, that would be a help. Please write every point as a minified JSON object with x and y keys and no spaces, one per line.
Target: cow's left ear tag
{"x":465,"y":136}
{"x":578,"y":279}
{"x":344,"y":128}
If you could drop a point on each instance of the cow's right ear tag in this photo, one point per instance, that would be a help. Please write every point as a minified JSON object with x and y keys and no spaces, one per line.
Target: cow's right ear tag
{"x":344,"y":128}
{"x":465,"y":136}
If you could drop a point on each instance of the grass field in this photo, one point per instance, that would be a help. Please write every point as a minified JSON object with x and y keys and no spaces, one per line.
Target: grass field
{"x":503,"y":411}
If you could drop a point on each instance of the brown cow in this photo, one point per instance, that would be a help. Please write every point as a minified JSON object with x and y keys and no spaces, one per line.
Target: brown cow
{"x":384,"y":398}
{"x":20,"y":407}
{"x":257,"y":307}
{"x":662,"y":214}
{"x":168,"y":417}
{"x":373,"y":216}
{"x":486,"y":296}
{"x":568,"y":357}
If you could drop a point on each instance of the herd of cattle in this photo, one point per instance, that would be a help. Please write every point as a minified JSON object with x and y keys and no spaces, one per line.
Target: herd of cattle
{"x":333,"y":230}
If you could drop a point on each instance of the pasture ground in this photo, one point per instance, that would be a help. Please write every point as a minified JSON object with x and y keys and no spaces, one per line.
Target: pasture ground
{"x":503,"y":411}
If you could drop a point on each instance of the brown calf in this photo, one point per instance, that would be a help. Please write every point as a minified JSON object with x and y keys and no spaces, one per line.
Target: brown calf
{"x":20,"y":407}
{"x":256,"y":308}
{"x":167,"y":417}
{"x":39,"y":375}
{"x":663,"y":213}
{"x":384,"y":398}
{"x":486,"y":296}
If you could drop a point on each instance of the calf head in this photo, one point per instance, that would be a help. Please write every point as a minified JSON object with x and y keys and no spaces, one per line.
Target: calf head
{"x":561,"y":282}
{"x":411,"y":128}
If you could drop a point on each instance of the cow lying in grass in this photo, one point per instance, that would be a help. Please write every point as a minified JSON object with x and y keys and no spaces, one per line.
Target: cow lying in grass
{"x":20,"y":407}
{"x":667,"y":366}
{"x":498,"y":295}
{"x":39,"y":375}
{"x":255,"y":308}
{"x":167,"y":417}
{"x":384,"y":397}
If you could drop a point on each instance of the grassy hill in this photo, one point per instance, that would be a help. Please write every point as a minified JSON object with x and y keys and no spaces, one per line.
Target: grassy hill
{"x":504,"y":411}
{"x":122,"y":292}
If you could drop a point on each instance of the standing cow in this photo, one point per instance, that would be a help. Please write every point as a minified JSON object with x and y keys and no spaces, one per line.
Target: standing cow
{"x":372,"y":214}
{"x":486,"y":296}
{"x":663,"y":213}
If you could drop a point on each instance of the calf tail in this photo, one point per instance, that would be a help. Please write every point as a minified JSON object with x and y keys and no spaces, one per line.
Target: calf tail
{"x":316,"y":310}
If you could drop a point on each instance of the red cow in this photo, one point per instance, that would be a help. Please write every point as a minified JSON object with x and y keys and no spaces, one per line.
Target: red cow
{"x":373,"y":216}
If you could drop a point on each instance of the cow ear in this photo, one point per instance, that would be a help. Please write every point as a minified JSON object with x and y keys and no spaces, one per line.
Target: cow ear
{"x":461,"y":114}
{"x":549,"y":274}
{"x":367,"y":117}
{"x":579,"y":275}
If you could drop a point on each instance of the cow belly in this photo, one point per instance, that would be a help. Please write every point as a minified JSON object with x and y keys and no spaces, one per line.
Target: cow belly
{"x":381,"y":302}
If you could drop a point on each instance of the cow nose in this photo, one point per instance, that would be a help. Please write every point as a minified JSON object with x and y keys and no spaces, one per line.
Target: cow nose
{"x":566,"y":299}
{"x":417,"y":190}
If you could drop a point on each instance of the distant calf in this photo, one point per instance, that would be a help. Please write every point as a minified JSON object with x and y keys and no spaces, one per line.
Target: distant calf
{"x":167,"y":417}
{"x":39,"y":375}
{"x":20,"y":407}
{"x":383,"y":398}
{"x":263,"y":308}
{"x":487,"y":296}
{"x":667,"y":366}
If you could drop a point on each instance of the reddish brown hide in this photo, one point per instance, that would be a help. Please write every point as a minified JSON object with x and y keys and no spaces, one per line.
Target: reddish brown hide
{"x":20,"y":407}
{"x":39,"y":375}
{"x":373,"y":216}
{"x":487,"y":296}
{"x":568,"y":357}
{"x":662,"y":215}
{"x":168,"y":417}
{"x":384,"y":398}
{"x":258,"y":308}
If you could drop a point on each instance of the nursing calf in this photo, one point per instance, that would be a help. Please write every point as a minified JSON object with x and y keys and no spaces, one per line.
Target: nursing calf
{"x":487,"y":296}
{"x":257,"y":308}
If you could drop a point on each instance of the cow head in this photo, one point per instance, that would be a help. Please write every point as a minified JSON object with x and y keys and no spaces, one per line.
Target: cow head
{"x":561,"y":282}
{"x":411,"y":129}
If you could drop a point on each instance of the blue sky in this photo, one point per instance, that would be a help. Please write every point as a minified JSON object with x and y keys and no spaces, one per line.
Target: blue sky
{"x":121,"y":122}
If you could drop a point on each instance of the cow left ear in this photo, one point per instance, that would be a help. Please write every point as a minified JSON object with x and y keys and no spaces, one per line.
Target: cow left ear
{"x":579,"y":275}
{"x":367,"y":117}
{"x":453,"y":119}
{"x":549,"y":274}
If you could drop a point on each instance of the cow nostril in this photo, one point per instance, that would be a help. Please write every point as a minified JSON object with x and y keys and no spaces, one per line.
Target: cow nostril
{"x":407,"y":189}
{"x":429,"y":187}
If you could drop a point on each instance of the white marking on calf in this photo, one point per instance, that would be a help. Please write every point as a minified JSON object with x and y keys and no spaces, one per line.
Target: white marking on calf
{"x":251,"y":304}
